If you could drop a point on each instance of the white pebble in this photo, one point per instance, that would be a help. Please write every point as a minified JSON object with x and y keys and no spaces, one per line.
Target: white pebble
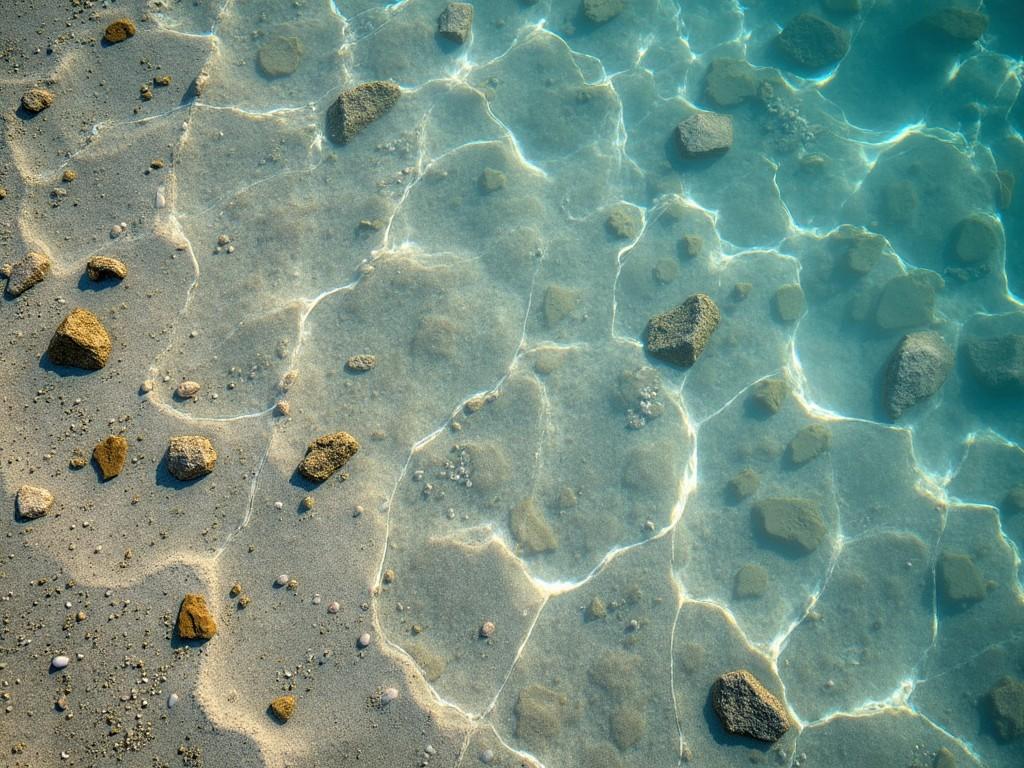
{"x":364,"y":639}
{"x":389,"y":695}
{"x":278,"y":505}
{"x":172,"y":700}
{"x":487,"y":756}
{"x":59,"y":662}
{"x":188,"y":389}
{"x":281,"y":580}
{"x":334,"y":607}
{"x":317,"y":599}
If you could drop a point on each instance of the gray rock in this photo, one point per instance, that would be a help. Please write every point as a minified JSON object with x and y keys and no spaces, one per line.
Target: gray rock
{"x":358,"y":107}
{"x":706,"y":134}
{"x":998,"y":363}
{"x":811,"y":42}
{"x":33,"y":502}
{"x":190,"y":456}
{"x":680,"y":335}
{"x":456,"y":22}
{"x":746,"y":708}
{"x":917,"y":369}
{"x":27,"y":272}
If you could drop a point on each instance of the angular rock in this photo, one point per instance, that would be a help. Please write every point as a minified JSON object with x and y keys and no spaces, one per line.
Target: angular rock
{"x":998,"y":363}
{"x":744,"y":485}
{"x":600,"y":11}
{"x":190,"y":456}
{"x":811,"y":42}
{"x":679,"y":335}
{"x":101,"y":267}
{"x":769,"y":394}
{"x":746,"y":708}
{"x":789,"y":302}
{"x":35,"y":100}
{"x":908,"y":300}
{"x":729,"y":82}
{"x":326,"y":455}
{"x":279,"y":56}
{"x":809,"y":443}
{"x":110,"y":455}
{"x":794,"y":522}
{"x":357,"y":108}
{"x":118,"y":31}
{"x":195,"y":622}
{"x":1006,"y":705}
{"x":283,"y":707}
{"x":32,"y":502}
{"x":959,"y":578}
{"x":704,"y":135}
{"x":456,"y":22}
{"x":80,"y":341}
{"x":24,"y":274}
{"x":917,"y":369}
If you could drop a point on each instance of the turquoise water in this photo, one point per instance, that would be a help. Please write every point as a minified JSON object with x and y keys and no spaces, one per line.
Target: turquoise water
{"x":501,"y":237}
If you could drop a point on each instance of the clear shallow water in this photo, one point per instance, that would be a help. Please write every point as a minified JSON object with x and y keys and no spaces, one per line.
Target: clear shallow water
{"x":508,"y":324}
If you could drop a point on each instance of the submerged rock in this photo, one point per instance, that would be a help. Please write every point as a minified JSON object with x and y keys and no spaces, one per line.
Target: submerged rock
{"x":998,"y":363}
{"x":809,"y":443}
{"x":908,"y":300}
{"x":361,"y":363}
{"x":326,"y":455}
{"x":1006,"y":704}
{"x":195,"y":622}
{"x":559,"y":303}
{"x":190,"y":456}
{"x":917,"y":369}
{"x":751,"y":581}
{"x":744,"y":485}
{"x":279,"y":56}
{"x":80,"y":341}
{"x":977,"y":239}
{"x":703,"y":135}
{"x":101,"y":267}
{"x":540,"y":714}
{"x":959,"y":578}
{"x":961,"y":25}
{"x":812,"y":42}
{"x":1013,"y":502}
{"x":746,"y":708}
{"x":789,"y":302}
{"x":357,"y":108}
{"x":32,"y":502}
{"x":283,"y":707}
{"x":625,"y":221}
{"x":35,"y":100}
{"x":24,"y":274}
{"x":530,"y":529}
{"x":795,"y":522}
{"x":679,"y":335}
{"x":729,"y":82}
{"x":456,"y":22}
{"x":600,"y":11}
{"x":110,"y":455}
{"x":769,"y":394}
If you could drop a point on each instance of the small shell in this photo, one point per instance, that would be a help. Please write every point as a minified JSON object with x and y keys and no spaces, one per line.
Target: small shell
{"x":281,"y":580}
{"x":59,"y":662}
{"x":334,"y":607}
{"x":188,"y":389}
{"x":388,"y":695}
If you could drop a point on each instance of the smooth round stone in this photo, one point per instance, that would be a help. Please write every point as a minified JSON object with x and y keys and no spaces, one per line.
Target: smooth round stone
{"x":59,"y":662}
{"x":172,"y":700}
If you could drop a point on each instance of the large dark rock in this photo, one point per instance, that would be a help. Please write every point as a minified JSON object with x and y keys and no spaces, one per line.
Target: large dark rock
{"x":917,"y":369}
{"x":998,"y":363}
{"x":680,"y":335}
{"x":358,"y":107}
{"x":746,"y":708}
{"x":813,"y":43}
{"x":706,"y":134}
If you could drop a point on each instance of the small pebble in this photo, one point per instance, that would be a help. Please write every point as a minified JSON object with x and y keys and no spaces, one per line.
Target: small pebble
{"x":364,"y":640}
{"x":388,"y":695}
{"x":487,"y":756}
{"x":59,"y":662}
{"x":487,"y":629}
{"x":172,"y":700}
{"x":334,"y":607}
{"x":281,"y":580}
{"x":317,"y":599}
{"x":188,"y":389}
{"x":278,"y":505}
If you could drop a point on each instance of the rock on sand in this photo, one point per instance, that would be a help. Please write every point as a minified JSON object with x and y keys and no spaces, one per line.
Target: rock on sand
{"x":35,"y":100}
{"x":811,"y":42}
{"x":27,"y":272}
{"x":456,"y":22}
{"x":326,"y":455}
{"x":917,"y":369}
{"x":33,"y":502}
{"x":195,"y":622}
{"x":679,"y":335}
{"x":358,"y":107}
{"x":80,"y":341}
{"x":101,"y":267}
{"x":704,"y":135}
{"x":283,"y":707}
{"x":998,"y":363}
{"x":190,"y":456}
{"x":746,"y":708}
{"x":110,"y":455}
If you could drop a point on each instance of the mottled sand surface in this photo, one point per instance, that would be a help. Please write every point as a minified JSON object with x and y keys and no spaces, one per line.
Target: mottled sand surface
{"x":551,"y":541}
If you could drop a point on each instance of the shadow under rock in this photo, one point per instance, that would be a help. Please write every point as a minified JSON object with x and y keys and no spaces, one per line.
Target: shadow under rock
{"x":723,"y":737}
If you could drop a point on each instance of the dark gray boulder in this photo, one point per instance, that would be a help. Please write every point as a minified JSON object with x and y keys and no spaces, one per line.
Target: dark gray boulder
{"x":456,"y":22}
{"x":746,"y":708}
{"x":679,"y":335}
{"x":706,"y":134}
{"x":916,"y":370}
{"x":998,"y":363}
{"x":358,"y":107}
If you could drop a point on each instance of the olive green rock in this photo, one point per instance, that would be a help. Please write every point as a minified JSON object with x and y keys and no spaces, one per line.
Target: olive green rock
{"x":600,"y":11}
{"x":80,"y":341}
{"x":110,"y":455}
{"x":813,"y":43}
{"x":997,"y":363}
{"x":751,"y":581}
{"x":1006,"y":704}
{"x":959,"y":578}
{"x":729,"y":82}
{"x":744,"y":485}
{"x":908,"y":300}
{"x":796,"y":523}
{"x":977,"y":239}
{"x":530,"y":529}
{"x":789,"y":302}
{"x":809,"y":443}
{"x":680,"y":335}
{"x":279,"y":56}
{"x":769,"y":394}
{"x":358,"y":107}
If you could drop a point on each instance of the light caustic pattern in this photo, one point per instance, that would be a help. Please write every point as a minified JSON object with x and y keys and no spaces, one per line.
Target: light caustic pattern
{"x":499,"y":239}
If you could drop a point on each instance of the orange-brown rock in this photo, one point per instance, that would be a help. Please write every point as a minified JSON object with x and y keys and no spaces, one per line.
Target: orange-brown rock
{"x":195,"y":622}
{"x":119,"y":31}
{"x":283,"y":707}
{"x":109,"y":456}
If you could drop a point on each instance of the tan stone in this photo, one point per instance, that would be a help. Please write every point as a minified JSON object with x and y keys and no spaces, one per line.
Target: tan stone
{"x":33,"y":502}
{"x":283,"y":707}
{"x":190,"y":456}
{"x":35,"y":100}
{"x":102,"y":267}
{"x":80,"y":341}
{"x":118,"y":31}
{"x":326,"y":455}
{"x":27,"y":272}
{"x":195,"y":622}
{"x":109,"y":456}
